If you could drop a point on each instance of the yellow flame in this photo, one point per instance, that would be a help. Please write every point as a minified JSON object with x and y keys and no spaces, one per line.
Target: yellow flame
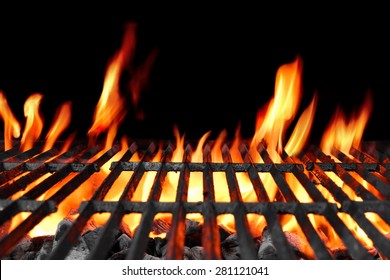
{"x":344,"y":134}
{"x":110,"y":110}
{"x":11,"y":125}
{"x":34,"y":122}
{"x":61,"y":122}
{"x":282,"y":107}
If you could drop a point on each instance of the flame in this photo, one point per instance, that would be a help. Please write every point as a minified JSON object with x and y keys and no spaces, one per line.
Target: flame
{"x":110,"y":110}
{"x":281,"y":109}
{"x":11,"y":125}
{"x":34,"y":122}
{"x":61,"y":122}
{"x":271,"y":127}
{"x":140,"y":80}
{"x":344,"y":134}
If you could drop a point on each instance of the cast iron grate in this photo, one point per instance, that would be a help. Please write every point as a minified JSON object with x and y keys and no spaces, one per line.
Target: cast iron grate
{"x":371,"y":163}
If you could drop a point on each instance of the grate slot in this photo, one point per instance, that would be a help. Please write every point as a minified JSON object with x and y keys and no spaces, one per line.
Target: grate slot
{"x":140,"y":240}
{"x":245,"y":239}
{"x":346,"y":177}
{"x":382,"y":244}
{"x":380,"y":185}
{"x":210,"y":231}
{"x":107,"y":237}
{"x":95,"y":205}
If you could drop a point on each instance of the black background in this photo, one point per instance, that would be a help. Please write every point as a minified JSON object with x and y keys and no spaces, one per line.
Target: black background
{"x":214,"y":69}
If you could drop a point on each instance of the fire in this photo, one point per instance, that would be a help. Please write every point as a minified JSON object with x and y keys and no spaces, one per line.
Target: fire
{"x":11,"y":125}
{"x":343,"y":134}
{"x":34,"y":122}
{"x":270,"y":137}
{"x":61,"y":122}
{"x":110,"y":110}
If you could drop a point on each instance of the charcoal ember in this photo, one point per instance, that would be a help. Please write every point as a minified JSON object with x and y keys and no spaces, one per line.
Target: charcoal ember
{"x":123,"y":242}
{"x":28,"y":248}
{"x":267,"y":250}
{"x":62,"y":227}
{"x":160,"y":226}
{"x":4,"y":229}
{"x":159,"y":245}
{"x":340,"y":254}
{"x":197,"y":253}
{"x":187,"y":253}
{"x":193,"y":233}
{"x":121,"y":255}
{"x":230,"y":249}
{"x":92,"y":236}
{"x":297,"y":243}
{"x":46,"y":248}
{"x":30,"y":255}
{"x":80,"y":250}
{"x":24,"y":246}
{"x":124,"y":228}
{"x":150,"y":257}
{"x":223,"y":233}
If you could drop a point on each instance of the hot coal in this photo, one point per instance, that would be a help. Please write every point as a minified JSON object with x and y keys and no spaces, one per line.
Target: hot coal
{"x":267,"y":250}
{"x":41,"y":247}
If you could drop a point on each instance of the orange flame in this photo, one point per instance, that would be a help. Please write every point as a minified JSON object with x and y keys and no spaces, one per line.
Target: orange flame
{"x":61,"y":122}
{"x":139,"y":81}
{"x":271,"y":127}
{"x":343,"y":134}
{"x":34,"y":122}
{"x":11,"y":125}
{"x":110,"y":110}
{"x":282,"y":108}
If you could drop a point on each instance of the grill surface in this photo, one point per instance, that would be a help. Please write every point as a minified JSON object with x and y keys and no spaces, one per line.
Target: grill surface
{"x":371,"y":162}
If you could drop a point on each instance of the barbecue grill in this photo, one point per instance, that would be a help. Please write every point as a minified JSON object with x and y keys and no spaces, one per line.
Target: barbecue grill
{"x":371,"y":162}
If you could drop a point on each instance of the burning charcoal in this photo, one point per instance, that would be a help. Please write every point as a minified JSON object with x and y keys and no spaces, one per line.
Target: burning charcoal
{"x":28,"y":248}
{"x":123,"y":242}
{"x":230,"y":249}
{"x":150,"y":257}
{"x":187,"y":253}
{"x":30,"y":255}
{"x":267,"y":250}
{"x":193,"y":233}
{"x":197,"y":253}
{"x":341,"y":254}
{"x":160,"y":226}
{"x":21,"y":249}
{"x":121,"y":255}
{"x":62,"y":227}
{"x":78,"y":252}
{"x":4,"y":229}
{"x":223,"y":233}
{"x":159,"y":244}
{"x":46,"y":248}
{"x":91,"y":237}
{"x":124,"y":228}
{"x":297,"y":243}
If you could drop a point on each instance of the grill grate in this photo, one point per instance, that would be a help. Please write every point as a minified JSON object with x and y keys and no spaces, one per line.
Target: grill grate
{"x":371,"y":163}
